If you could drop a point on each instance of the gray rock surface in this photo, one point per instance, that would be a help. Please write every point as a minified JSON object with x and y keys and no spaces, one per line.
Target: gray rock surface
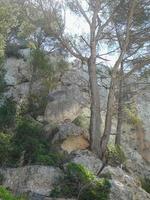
{"x":35,"y":179}
{"x":64,"y":104}
{"x":69,"y":129}
{"x":87,"y":159}
{"x":124,"y":186}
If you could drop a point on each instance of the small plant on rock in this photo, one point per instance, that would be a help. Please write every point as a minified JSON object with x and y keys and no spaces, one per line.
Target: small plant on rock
{"x":145,"y":182}
{"x":115,"y":155}
{"x":6,"y":195}
{"x":82,"y":184}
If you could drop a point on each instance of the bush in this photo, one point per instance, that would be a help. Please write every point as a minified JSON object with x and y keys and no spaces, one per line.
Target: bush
{"x":28,"y":141}
{"x":6,"y":195}
{"x":115,"y":155}
{"x":2,"y":80}
{"x":12,"y":51}
{"x":145,"y":182}
{"x":78,"y":182}
{"x":7,"y":113}
{"x":1,"y":178}
{"x":4,"y":148}
{"x":83,"y":120}
{"x":132,"y":116}
{"x":29,"y":146}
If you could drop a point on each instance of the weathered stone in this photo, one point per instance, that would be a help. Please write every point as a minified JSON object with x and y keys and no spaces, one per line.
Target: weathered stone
{"x":124,"y":186}
{"x":35,"y":179}
{"x":73,"y":143}
{"x":65,"y":104}
{"x":17,"y":71}
{"x":87,"y":159}
{"x":69,"y":129}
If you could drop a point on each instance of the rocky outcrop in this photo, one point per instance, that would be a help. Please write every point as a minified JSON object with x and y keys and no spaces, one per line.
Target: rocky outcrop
{"x":64,"y":104}
{"x":69,"y":129}
{"x":87,"y":159}
{"x":34,"y":179}
{"x":17,"y":76}
{"x":124,"y":186}
{"x":71,"y":137}
{"x":143,"y":131}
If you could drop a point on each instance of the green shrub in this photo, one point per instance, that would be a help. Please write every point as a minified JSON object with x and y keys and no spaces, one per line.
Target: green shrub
{"x":6,"y":195}
{"x":28,"y":141}
{"x":83,"y":120}
{"x":12,"y":51}
{"x":4,"y":148}
{"x":145,"y":182}
{"x":1,"y":178}
{"x":115,"y":155}
{"x":29,"y":146}
{"x":7,"y":113}
{"x":80,"y":183}
{"x":132,"y":116}
{"x":2,"y":80}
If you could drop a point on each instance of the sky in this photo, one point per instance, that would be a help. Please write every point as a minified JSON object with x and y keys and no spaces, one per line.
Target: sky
{"x":76,"y":25}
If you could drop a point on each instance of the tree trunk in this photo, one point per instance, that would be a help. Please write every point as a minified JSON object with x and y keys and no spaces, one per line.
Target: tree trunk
{"x":95,"y":120}
{"x":108,"y":120}
{"x":120,"y":108}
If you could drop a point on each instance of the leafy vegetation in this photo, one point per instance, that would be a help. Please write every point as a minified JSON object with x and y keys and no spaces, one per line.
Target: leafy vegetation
{"x":80,"y":182}
{"x":7,"y":113}
{"x":27,"y":146}
{"x":115,"y":155}
{"x":145,"y":182}
{"x":132,"y":116}
{"x":83,"y":120}
{"x":4,"y":148}
{"x":6,"y":195}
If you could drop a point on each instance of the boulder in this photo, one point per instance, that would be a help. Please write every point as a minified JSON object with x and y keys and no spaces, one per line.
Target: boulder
{"x":87,"y":159}
{"x":64,"y":104}
{"x":73,"y":143}
{"x":71,"y":137}
{"x":124,"y":186}
{"x":67,"y":129}
{"x":34,"y":179}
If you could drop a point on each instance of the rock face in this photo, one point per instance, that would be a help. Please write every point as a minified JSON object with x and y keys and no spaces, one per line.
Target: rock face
{"x":17,"y":78}
{"x":124,"y":186}
{"x":143,"y":109}
{"x":71,"y":137}
{"x":87,"y":159}
{"x":73,"y":143}
{"x":35,"y":179}
{"x":69,"y":129}
{"x":64,"y":104}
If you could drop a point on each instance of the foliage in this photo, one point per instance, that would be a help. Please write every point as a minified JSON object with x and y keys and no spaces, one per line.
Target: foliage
{"x":47,"y":67}
{"x":6,"y":195}
{"x":1,"y":178}
{"x":83,"y":120}
{"x":132,"y":116}
{"x":2,"y":73}
{"x":47,"y":70}
{"x":115,"y":155}
{"x":29,"y":146}
{"x":4,"y":147}
{"x":7,"y":113}
{"x":12,"y":50}
{"x":28,"y":141}
{"x":145,"y":182}
{"x":80,"y":182}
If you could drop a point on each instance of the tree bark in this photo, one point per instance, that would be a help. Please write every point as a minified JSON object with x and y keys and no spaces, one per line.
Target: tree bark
{"x":120,"y":108}
{"x":95,"y":120}
{"x":108,"y":119}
